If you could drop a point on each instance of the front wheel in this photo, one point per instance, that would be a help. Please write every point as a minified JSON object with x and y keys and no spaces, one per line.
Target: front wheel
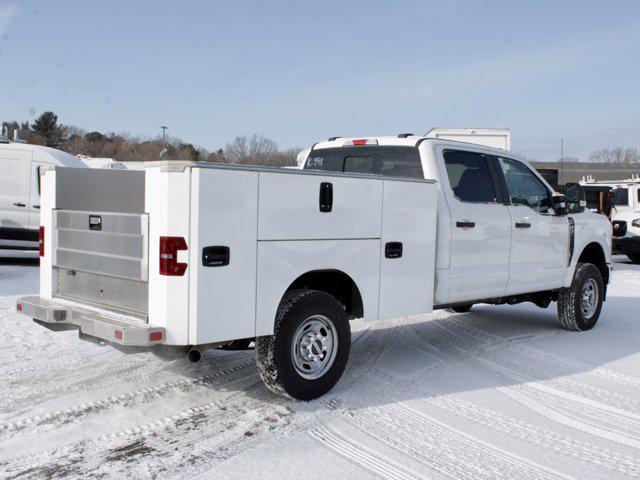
{"x":309,"y":350}
{"x":579,"y":305}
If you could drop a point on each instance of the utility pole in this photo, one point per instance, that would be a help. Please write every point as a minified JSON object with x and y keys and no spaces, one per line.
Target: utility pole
{"x":164,"y":141}
{"x":561,"y":160}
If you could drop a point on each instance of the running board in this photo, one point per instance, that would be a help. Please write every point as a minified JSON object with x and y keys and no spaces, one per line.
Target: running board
{"x":113,"y":328}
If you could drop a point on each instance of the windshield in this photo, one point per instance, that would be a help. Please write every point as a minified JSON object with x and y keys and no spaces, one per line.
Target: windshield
{"x":377,"y":160}
{"x":621,"y":196}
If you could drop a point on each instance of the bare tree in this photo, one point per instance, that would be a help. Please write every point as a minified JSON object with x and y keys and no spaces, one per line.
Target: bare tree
{"x":616,"y":155}
{"x":256,"y":150}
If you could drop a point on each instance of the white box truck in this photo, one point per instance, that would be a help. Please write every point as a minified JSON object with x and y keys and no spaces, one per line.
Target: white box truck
{"x":489,"y":137}
{"x":202,"y":255}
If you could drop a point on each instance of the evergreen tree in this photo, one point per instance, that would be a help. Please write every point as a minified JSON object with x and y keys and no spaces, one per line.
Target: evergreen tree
{"x":47,"y":127}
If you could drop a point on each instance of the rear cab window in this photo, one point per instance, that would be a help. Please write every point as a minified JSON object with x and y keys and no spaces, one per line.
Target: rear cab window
{"x":470,"y":177}
{"x":388,"y":161}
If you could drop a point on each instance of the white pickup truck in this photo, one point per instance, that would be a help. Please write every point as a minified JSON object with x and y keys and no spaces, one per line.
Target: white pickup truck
{"x":625,"y":215}
{"x":203,"y":255}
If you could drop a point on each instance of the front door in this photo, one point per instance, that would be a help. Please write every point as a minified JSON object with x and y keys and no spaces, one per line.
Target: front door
{"x":481,"y":228}
{"x":539,"y":239}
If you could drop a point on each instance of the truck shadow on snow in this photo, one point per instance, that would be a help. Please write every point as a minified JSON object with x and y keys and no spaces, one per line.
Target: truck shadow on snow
{"x":491,"y":346}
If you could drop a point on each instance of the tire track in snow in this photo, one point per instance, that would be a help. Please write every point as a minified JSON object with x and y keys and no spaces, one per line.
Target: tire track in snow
{"x":381,"y":466}
{"x":569,"y":421}
{"x":601,"y":372}
{"x":103,"y":374}
{"x":622,"y":438}
{"x":537,"y":354}
{"x":177,"y":386}
{"x":539,"y":436}
{"x":442,"y":448}
{"x":529,"y":374}
{"x":248,"y":382}
{"x":514,"y":372}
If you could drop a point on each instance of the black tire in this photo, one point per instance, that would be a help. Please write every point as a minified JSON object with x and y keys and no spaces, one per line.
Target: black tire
{"x":274,"y":352}
{"x":570,"y":311}
{"x":634,"y":257}
{"x":459,"y":308}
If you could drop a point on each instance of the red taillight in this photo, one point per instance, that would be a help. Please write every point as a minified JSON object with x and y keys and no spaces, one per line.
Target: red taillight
{"x":155,"y":336}
{"x":117,"y":334}
{"x":169,"y":264}
{"x":359,"y":142}
{"x":19,"y":307}
{"x":41,"y":241}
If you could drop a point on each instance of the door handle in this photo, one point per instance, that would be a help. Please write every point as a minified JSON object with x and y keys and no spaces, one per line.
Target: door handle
{"x":465,"y":224}
{"x":523,"y":225}
{"x":326,"y":197}
{"x":393,"y":250}
{"x":216,"y":256}
{"x":19,"y":204}
{"x":36,"y":206}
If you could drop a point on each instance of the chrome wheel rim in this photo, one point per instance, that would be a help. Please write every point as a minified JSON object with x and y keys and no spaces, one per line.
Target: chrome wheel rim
{"x":589,"y":298}
{"x":314,"y":347}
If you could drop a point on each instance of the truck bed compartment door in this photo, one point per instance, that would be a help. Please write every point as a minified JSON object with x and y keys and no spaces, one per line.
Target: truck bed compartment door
{"x":407,"y":255}
{"x":317,"y":207}
{"x":222,"y":255}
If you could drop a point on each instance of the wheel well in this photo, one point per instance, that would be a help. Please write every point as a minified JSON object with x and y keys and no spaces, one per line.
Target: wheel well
{"x":337,"y":284}
{"x":593,"y":253}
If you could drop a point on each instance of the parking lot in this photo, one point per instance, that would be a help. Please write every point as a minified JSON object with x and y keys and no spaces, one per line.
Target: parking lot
{"x":500,"y":392}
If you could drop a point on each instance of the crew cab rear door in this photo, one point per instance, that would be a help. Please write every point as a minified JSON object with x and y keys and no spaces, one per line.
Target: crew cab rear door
{"x":480,"y":229}
{"x":539,"y":239}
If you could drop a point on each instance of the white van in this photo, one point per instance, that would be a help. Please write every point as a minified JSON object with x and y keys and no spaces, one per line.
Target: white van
{"x":20,"y":165}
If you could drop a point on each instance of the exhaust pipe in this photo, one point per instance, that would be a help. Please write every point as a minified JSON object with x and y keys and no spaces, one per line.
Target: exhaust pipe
{"x":195,"y":354}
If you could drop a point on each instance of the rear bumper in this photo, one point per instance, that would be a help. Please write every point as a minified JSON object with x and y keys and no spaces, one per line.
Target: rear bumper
{"x":110,"y":327}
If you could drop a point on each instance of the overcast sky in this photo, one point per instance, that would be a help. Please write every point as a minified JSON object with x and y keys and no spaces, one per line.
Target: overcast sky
{"x":301,"y":71}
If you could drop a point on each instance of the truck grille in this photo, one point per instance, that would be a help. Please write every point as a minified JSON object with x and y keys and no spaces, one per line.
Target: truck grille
{"x":619,"y":228}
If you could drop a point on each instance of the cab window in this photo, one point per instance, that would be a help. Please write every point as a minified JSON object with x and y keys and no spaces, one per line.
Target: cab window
{"x":620,"y":197}
{"x":389,"y":161}
{"x":524,"y":187}
{"x":470,"y":177}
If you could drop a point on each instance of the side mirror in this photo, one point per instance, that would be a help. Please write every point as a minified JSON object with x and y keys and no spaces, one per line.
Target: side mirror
{"x":559,"y":204}
{"x":575,"y":196}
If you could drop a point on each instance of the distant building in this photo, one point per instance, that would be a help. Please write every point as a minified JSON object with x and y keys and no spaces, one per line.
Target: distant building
{"x":559,"y":173}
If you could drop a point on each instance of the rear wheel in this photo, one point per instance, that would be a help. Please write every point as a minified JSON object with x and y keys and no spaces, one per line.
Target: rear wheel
{"x":309,"y":350}
{"x":460,"y":308}
{"x":579,"y":305}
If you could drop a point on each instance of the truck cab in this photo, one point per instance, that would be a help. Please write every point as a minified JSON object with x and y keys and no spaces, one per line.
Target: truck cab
{"x":496,"y":217}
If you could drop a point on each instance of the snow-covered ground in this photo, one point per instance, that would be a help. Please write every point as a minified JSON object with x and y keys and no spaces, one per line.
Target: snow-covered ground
{"x":500,"y":392}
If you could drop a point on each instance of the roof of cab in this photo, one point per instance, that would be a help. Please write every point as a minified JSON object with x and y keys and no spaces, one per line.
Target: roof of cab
{"x":408,"y":141}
